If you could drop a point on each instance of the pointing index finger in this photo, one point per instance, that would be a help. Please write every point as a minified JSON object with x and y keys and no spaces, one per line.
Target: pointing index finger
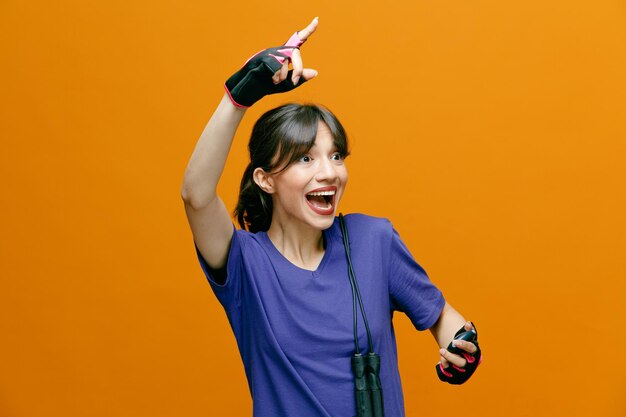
{"x":308,"y":31}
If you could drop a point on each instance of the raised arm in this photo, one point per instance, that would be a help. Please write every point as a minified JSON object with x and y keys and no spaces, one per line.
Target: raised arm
{"x":206,"y":213}
{"x":265,"y":73}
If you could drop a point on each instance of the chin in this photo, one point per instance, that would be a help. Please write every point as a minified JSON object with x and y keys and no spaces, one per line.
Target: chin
{"x":327,"y":223}
{"x":323,"y":222}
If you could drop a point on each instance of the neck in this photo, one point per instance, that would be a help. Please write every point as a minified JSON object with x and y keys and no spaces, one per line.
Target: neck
{"x":301,"y":244}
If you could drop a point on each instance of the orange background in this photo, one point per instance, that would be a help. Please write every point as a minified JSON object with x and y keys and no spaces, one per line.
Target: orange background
{"x":492,"y":134}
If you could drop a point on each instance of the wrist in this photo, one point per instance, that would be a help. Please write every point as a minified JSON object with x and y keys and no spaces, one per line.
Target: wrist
{"x":232,"y":101}
{"x":229,"y":106}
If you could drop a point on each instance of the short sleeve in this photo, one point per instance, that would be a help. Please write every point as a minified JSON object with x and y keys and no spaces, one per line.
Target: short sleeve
{"x":226,"y":283}
{"x":410,"y":289}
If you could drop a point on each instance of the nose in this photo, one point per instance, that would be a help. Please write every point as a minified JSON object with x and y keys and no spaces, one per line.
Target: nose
{"x":326,"y":171}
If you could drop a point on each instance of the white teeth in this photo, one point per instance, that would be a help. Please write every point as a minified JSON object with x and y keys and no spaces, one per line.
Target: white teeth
{"x":322,"y":193}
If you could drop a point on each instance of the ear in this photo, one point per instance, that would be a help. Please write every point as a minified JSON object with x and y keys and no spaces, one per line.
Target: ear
{"x":263,"y":180}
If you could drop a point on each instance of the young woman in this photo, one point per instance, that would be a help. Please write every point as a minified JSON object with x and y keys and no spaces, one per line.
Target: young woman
{"x":284,"y":282}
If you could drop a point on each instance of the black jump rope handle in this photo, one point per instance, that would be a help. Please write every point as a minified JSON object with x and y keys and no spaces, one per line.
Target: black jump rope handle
{"x":367,"y":387}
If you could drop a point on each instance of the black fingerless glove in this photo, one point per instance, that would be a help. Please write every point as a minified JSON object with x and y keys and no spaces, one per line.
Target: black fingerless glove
{"x":254,"y":80}
{"x":456,"y":375}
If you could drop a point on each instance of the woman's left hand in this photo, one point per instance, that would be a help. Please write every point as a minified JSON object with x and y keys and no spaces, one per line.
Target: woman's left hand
{"x":448,"y":358}
{"x":457,"y":366}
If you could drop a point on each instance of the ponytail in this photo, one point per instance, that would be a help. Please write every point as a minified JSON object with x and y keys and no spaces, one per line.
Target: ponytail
{"x":254,"y":208}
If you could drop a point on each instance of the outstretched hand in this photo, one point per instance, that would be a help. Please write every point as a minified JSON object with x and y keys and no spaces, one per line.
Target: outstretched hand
{"x":268,"y":71}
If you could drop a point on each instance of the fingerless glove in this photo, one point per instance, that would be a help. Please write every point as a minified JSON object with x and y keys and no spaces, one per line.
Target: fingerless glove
{"x":454,"y":374}
{"x":254,"y":80}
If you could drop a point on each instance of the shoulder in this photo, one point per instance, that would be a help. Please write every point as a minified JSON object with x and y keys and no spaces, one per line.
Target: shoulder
{"x":364,"y":220}
{"x":248,"y":240}
{"x":364,"y":224}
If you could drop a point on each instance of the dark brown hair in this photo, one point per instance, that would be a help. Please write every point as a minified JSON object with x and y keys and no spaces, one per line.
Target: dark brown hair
{"x":280,"y":137}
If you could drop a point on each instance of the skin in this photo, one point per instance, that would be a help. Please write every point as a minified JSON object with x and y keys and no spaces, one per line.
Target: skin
{"x":295,"y":230}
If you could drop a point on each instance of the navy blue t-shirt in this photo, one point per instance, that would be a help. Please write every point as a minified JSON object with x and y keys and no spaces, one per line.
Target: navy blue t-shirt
{"x":294,"y":326}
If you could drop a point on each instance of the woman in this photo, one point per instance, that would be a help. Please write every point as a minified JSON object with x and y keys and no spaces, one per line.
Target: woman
{"x":283,"y":282}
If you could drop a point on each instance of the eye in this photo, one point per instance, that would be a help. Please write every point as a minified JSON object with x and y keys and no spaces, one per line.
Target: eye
{"x":336,"y":157}
{"x":305,"y":159}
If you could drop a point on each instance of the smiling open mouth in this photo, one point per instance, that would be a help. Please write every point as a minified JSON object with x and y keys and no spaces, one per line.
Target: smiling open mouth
{"x":321,"y":202}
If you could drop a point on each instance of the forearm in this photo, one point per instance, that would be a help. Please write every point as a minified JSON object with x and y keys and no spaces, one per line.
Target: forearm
{"x":207,"y":162}
{"x":447,"y":325}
